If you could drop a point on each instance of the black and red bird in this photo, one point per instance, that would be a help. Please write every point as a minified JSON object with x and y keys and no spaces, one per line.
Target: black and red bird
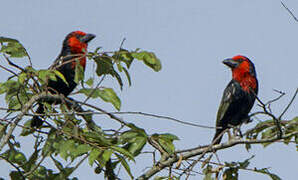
{"x":74,"y":48}
{"x":238,"y":97}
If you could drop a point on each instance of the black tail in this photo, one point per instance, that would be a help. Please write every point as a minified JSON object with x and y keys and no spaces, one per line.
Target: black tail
{"x":218,"y":136}
{"x":36,"y":120}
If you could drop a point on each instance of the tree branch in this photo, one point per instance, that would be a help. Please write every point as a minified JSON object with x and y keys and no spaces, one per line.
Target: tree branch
{"x":160,"y":165}
{"x":24,"y":110}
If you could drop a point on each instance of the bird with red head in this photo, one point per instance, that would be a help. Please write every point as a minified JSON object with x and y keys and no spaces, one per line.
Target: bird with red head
{"x":238,"y":97}
{"x":74,"y":48}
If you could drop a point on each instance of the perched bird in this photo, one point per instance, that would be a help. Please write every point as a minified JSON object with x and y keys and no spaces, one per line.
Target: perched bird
{"x":238,"y":97}
{"x":74,"y":48}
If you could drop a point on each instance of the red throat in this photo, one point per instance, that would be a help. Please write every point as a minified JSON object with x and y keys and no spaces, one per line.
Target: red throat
{"x":242,"y":75}
{"x":78,"y":47}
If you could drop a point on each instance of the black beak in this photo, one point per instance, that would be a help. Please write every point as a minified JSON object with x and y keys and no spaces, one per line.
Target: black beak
{"x":87,"y":38}
{"x":230,"y":63}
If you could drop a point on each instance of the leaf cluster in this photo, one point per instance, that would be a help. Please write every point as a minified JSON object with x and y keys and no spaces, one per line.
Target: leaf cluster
{"x":65,"y":137}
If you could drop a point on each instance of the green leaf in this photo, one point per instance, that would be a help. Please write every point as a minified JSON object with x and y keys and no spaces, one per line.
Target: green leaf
{"x":208,"y":173}
{"x":127,"y":75}
{"x":104,"y":158}
{"x":140,"y":131}
{"x":61,"y":76}
{"x":10,"y":87}
{"x":65,"y":148}
{"x":19,"y":158}
{"x":231,"y":174}
{"x":89,"y":82}
{"x":245,"y":163}
{"x":46,"y":74}
{"x":259,"y":128}
{"x":106,"y":94}
{"x":3,"y":128}
{"x":105,"y":67}
{"x":79,"y":72}
{"x":268,"y":133}
{"x":166,"y":141}
{"x":26,"y":130}
{"x":124,"y":56}
{"x":14,"y":103}
{"x":14,"y":156}
{"x":22,"y":77}
{"x":127,"y":136}
{"x":125,"y":165}
{"x":31,"y":162}
{"x":12,"y":47}
{"x":89,"y":92}
{"x":136,"y":146}
{"x":80,"y":150}
{"x":149,"y":59}
{"x":167,"y":145}
{"x":271,"y":175}
{"x":123,"y":152}
{"x":120,"y":68}
{"x":15,"y":175}
{"x":168,"y":136}
{"x":93,"y":156}
{"x":65,"y":173}
{"x":97,"y":137}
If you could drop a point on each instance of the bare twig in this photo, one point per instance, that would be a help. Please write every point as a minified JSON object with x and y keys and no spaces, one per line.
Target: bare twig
{"x":11,"y":63}
{"x":29,"y":58}
{"x":190,"y":168}
{"x":292,"y":100}
{"x":36,"y":166}
{"x":281,"y":94}
{"x":6,"y":69}
{"x":166,"y":117}
{"x":93,"y":91}
{"x":276,"y":120}
{"x":104,"y":112}
{"x":80,"y":162}
{"x":291,"y":13}
{"x":129,"y":112}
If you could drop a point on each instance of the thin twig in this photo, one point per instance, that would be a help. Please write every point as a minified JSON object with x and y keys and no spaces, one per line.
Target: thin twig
{"x":166,"y":117}
{"x":128,"y":112}
{"x":79,"y":163}
{"x":171,"y":160}
{"x":291,"y":13}
{"x":277,"y":123}
{"x":292,"y":100}
{"x":190,"y":168}
{"x":105,"y":112}
{"x":36,"y":166}
{"x":6,"y":69}
{"x":16,"y":167}
{"x":12,"y":64}
{"x":29,"y":58}
{"x":25,"y":109}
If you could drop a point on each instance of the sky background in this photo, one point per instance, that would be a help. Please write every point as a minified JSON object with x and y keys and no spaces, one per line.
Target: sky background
{"x":191,"y":38}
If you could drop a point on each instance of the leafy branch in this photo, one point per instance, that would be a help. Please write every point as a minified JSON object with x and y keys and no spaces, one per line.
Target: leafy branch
{"x":73,"y":132}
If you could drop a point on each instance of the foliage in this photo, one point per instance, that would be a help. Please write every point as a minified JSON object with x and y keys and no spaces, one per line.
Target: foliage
{"x":72,"y":140}
{"x":71,"y":136}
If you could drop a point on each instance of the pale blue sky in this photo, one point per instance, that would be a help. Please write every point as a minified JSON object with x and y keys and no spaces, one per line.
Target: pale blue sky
{"x":191,"y":38}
